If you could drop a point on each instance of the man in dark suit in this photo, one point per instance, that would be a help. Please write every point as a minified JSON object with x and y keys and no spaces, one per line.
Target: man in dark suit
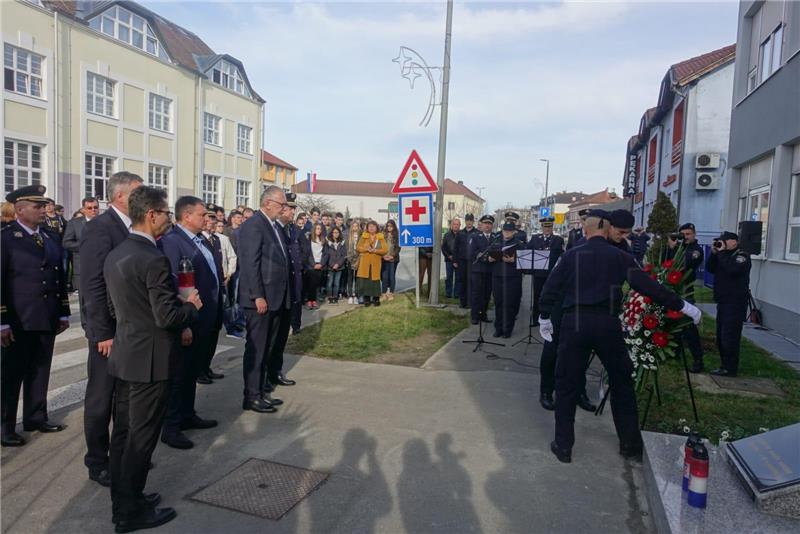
{"x":462,"y":254}
{"x":186,"y":240}
{"x":545,"y":241}
{"x":576,"y":234}
{"x":144,"y":356}
{"x":35,"y":309}
{"x":264,"y":294}
{"x":72,"y":236}
{"x":205,"y":375}
{"x":100,"y":236}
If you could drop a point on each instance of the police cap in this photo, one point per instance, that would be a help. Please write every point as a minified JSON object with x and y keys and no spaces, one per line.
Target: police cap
{"x":31,"y":193}
{"x":687,"y":226}
{"x":509,"y":226}
{"x":547,"y":222}
{"x":487,"y":219}
{"x":513,"y":215}
{"x":728,"y":235}
{"x":622,"y":219}
{"x":291,"y":199}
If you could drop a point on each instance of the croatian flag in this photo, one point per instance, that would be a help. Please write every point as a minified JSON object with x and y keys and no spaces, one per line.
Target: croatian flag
{"x":311,"y":182}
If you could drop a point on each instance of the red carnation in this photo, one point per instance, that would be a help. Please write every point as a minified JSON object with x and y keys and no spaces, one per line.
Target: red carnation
{"x":674,"y":277}
{"x":674,"y":314}
{"x":648,"y":267}
{"x":650,"y":321}
{"x":654,"y":276}
{"x":667,"y":264}
{"x":660,"y":339}
{"x":648,"y":300}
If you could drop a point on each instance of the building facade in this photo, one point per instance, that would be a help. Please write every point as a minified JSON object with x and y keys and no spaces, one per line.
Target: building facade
{"x":681,"y":148}
{"x":764,"y":154}
{"x":92,"y":88}
{"x":275,"y":171}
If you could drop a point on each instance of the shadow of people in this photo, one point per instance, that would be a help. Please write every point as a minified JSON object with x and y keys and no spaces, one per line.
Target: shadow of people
{"x":357,"y":494}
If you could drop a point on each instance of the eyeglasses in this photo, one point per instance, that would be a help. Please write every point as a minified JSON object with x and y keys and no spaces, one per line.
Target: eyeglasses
{"x":281,"y":204}
{"x":167,"y":212}
{"x":93,"y":208}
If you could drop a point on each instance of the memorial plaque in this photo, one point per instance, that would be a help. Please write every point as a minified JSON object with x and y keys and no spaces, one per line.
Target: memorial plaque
{"x":771,"y":460}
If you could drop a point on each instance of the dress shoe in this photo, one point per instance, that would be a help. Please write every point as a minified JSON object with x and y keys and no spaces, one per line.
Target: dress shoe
{"x":721,"y":372}
{"x":586,"y":404}
{"x":150,"y":500}
{"x":258,"y":405}
{"x":631,"y":452}
{"x":44,"y":427}
{"x":147,"y":518}
{"x":283,"y":381}
{"x":12,"y":439}
{"x":534,"y":323}
{"x":697,"y":367}
{"x":507,"y":335}
{"x":102,"y":476}
{"x":214,"y":376}
{"x":269,"y":399}
{"x":497,"y":333}
{"x":486,"y":320}
{"x":563,"y":455}
{"x":196,"y":422}
{"x":177,"y":440}
{"x":204,"y":380}
{"x":546,"y":400}
{"x":474,"y":321}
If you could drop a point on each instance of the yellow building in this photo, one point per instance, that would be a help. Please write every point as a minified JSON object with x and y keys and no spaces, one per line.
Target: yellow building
{"x":275,"y":171}
{"x":92,"y":88}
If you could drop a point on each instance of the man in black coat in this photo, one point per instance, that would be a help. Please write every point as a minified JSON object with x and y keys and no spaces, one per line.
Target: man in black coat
{"x":462,"y":254}
{"x":481,"y":269}
{"x":541,"y":244}
{"x":265,"y":295}
{"x":72,"y":236}
{"x":452,"y":267}
{"x":144,"y":356}
{"x":100,"y":236}
{"x":576,"y":234}
{"x":35,"y":309}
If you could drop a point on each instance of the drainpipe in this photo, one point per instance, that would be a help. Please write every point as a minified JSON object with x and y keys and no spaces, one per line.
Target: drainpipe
{"x":198,"y":145}
{"x":685,"y":101}
{"x":56,"y":58}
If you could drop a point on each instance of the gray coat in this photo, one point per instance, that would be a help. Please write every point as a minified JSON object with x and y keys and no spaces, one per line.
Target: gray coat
{"x":71,"y":242}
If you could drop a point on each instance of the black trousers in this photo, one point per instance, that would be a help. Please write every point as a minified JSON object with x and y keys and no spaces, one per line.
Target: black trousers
{"x":26,"y":365}
{"x":538,"y":284}
{"x":582,"y":333}
{"x":507,"y":292}
{"x":313,"y":279}
{"x":274,"y":364}
{"x":547,"y":367}
{"x":480,"y":291}
{"x":262,"y":333}
{"x":210,"y":349}
{"x":690,"y":336}
{"x":730,"y":319}
{"x":98,"y":407}
{"x":138,"y":413}
{"x":465,"y":266}
{"x":296,"y":315}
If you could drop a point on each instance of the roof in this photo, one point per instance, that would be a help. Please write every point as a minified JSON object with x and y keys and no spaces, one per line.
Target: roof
{"x":266,"y":157}
{"x":374,"y":189}
{"x":601,"y":197}
{"x":691,"y":69}
{"x":564,"y":197}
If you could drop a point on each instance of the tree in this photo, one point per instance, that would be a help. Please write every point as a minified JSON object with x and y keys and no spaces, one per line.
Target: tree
{"x":663,"y":220}
{"x":308,"y":201}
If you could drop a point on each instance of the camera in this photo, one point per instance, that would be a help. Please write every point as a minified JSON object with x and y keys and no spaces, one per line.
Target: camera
{"x":677,"y":236}
{"x":718,"y":244}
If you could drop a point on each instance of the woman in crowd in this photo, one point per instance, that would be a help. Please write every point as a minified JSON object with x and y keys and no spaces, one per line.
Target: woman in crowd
{"x":390,"y":260}
{"x":316,"y":259}
{"x":351,"y":244}
{"x":371,"y":248}
{"x":8,"y":214}
{"x":337,"y":257}
{"x":228,"y":254}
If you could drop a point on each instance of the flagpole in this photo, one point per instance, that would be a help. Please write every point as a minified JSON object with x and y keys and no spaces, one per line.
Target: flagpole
{"x":439,"y":208}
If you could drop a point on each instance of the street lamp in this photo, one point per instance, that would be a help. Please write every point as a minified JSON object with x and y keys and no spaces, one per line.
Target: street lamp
{"x":546,"y":181}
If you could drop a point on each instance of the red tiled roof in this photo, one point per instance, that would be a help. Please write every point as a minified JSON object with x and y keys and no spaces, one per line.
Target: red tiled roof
{"x":266,"y":157}
{"x":691,"y":69}
{"x":374,"y":189}
{"x":601,"y":197}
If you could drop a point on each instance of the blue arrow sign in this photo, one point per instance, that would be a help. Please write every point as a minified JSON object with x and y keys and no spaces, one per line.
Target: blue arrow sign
{"x":416,"y":220}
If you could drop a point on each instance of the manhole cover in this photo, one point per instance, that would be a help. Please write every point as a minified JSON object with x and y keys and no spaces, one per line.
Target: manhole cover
{"x":762,"y":386}
{"x":261,"y":488}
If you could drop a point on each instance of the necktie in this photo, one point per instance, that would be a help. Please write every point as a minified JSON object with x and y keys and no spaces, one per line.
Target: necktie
{"x":278,"y":234}
{"x":207,"y":255}
{"x":37,"y":238}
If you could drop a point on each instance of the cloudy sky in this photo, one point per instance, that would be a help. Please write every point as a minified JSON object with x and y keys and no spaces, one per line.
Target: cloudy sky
{"x":566,"y":81}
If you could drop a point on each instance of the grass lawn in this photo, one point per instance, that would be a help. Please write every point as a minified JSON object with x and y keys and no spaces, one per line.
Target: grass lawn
{"x":741,"y":416}
{"x":395,"y":333}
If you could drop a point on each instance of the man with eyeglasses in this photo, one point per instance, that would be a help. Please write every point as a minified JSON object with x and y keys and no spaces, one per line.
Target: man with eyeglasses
{"x":90,"y":208}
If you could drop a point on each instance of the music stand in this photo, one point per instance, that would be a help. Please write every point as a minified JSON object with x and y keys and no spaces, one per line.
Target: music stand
{"x":480,"y":340}
{"x":537,"y":260}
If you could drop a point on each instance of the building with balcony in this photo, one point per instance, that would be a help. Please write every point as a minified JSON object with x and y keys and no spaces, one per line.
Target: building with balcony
{"x":275,"y":171}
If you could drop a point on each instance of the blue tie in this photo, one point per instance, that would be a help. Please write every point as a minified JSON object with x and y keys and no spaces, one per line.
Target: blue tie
{"x":208,"y":256}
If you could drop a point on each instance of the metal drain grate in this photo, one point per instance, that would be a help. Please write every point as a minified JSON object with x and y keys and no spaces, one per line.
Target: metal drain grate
{"x":261,"y":488}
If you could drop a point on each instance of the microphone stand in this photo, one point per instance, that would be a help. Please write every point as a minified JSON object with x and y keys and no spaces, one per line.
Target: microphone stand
{"x":480,"y":340}
{"x":530,"y":339}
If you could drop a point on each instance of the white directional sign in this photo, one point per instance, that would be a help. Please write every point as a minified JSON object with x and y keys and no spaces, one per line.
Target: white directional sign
{"x":416,"y":220}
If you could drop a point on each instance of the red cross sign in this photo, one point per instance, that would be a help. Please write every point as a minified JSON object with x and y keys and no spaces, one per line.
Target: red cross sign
{"x":415,"y":210}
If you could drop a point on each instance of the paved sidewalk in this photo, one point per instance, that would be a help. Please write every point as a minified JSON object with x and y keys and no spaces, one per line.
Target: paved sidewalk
{"x":458,"y":446}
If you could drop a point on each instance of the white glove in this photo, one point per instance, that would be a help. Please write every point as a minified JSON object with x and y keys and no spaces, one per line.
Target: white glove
{"x":692,"y":311}
{"x":546,"y":329}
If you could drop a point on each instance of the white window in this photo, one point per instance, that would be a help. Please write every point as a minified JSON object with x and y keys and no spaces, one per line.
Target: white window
{"x":23,"y":71}
{"x":22,"y":165}
{"x":243,"y":138}
{"x":770,"y":53}
{"x":158,"y":176}
{"x":793,"y":235}
{"x":99,"y":95}
{"x":242,"y":193}
{"x":97,"y":171}
{"x":211,"y":125}
{"x":754,"y":195}
{"x":227,"y":75}
{"x":210,"y":189}
{"x":160,"y":108}
{"x":129,"y":28}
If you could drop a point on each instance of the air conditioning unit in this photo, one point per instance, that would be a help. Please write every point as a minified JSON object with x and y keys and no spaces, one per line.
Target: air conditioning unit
{"x":706,"y":181}
{"x":706,"y":160}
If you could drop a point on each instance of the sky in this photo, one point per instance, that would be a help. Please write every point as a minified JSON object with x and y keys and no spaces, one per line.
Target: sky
{"x":565,"y":81}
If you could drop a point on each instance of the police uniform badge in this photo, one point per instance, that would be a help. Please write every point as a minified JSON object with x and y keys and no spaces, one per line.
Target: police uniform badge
{"x":740,"y":259}
{"x":17,"y":234}
{"x":696,"y":254}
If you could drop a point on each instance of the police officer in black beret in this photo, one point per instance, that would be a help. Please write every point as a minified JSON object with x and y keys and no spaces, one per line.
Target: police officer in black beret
{"x":35,"y":309}
{"x":622,"y":222}
{"x":506,"y":281}
{"x":577,"y":233}
{"x":539,"y":242}
{"x":481,"y":270}
{"x":692,"y":260}
{"x":731,"y":268}
{"x":590,"y":278}
{"x":462,"y":254}
{"x":513,"y":217}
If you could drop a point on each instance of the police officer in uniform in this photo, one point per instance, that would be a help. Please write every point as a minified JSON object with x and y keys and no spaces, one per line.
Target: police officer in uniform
{"x":506,"y":280}
{"x":731,"y":268}
{"x":34,"y":309}
{"x":481,"y":270}
{"x":462,"y":253}
{"x":544,"y":241}
{"x":577,"y":233}
{"x":590,"y":277}
{"x":513,"y":217}
{"x":622,"y":222}
{"x":692,"y":260}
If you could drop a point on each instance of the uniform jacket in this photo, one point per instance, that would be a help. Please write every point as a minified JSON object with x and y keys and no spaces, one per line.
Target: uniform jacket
{"x":477,"y":244}
{"x":176,"y":245}
{"x":337,"y":255}
{"x":504,"y":269}
{"x":553,"y":243}
{"x":692,"y":260}
{"x":369,"y":263}
{"x":639,"y":244}
{"x":149,"y":314}
{"x":574,"y":235}
{"x":731,"y":270}
{"x":462,"y":243}
{"x":34,"y":284}
{"x":100,"y":236}
{"x":263,"y":265}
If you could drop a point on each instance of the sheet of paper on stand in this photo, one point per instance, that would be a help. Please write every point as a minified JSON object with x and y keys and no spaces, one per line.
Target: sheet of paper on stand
{"x":541,"y":260}
{"x":524,"y":260}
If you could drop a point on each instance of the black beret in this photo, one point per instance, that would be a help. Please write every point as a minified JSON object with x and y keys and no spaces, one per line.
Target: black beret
{"x":583,"y":212}
{"x":687,"y":226}
{"x":469,"y":217}
{"x":510,"y":226}
{"x":31,"y":193}
{"x":728,"y":235}
{"x":600,"y":214}
{"x":622,"y":219}
{"x":487,"y":218}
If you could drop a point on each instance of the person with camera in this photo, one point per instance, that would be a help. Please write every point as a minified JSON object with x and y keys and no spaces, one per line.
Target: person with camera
{"x":692,"y":260}
{"x":731,"y":268}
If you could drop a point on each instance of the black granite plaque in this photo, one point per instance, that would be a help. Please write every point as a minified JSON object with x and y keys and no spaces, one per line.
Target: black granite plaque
{"x":770,"y":460}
